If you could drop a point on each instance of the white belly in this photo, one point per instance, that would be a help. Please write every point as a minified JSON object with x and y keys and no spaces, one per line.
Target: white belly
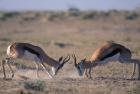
{"x":113,"y":58}
{"x":29,"y":56}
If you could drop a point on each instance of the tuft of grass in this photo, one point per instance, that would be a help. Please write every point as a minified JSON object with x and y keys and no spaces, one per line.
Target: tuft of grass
{"x":56,"y":16}
{"x":127,"y":39}
{"x":136,"y":50}
{"x":6,"y":15}
{"x":20,"y":92}
{"x":37,"y":85}
{"x":4,"y":39}
{"x":74,"y":12}
{"x":131,"y":16}
{"x":90,"y":15}
{"x":135,"y":90}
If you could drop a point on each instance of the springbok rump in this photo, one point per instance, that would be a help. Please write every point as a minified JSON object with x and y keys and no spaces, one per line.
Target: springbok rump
{"x":108,"y":52}
{"x":27,"y":51}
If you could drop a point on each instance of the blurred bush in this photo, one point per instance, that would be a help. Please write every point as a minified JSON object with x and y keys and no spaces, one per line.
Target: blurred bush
{"x":36,"y":85}
{"x":71,"y":13}
{"x":131,"y":16}
{"x":5,"y":15}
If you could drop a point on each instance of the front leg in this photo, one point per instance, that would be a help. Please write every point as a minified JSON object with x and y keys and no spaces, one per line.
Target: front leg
{"x":46,"y":70}
{"x":134,"y":69}
{"x":3,"y":66}
{"x":90,"y":75}
{"x":40,"y":61}
{"x":138,"y":71}
{"x":137,"y":62}
{"x":86,"y":73}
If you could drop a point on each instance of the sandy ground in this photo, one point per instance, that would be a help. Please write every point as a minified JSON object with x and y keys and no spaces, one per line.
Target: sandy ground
{"x":67,"y":82}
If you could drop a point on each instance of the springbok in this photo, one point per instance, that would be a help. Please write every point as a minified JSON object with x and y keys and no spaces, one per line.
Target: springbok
{"x":108,"y":52}
{"x":27,"y":51}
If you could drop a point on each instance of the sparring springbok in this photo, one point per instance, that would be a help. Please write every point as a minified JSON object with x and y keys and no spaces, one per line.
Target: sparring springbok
{"x":27,"y":51}
{"x":104,"y":54}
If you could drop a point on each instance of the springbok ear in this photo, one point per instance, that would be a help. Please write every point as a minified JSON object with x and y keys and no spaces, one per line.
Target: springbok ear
{"x":75,"y":64}
{"x":83,"y":60}
{"x":60,"y":59}
{"x":75,"y":60}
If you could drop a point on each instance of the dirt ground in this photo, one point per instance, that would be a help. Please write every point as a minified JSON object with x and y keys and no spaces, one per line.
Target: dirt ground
{"x":70,"y":83}
{"x":59,"y":38}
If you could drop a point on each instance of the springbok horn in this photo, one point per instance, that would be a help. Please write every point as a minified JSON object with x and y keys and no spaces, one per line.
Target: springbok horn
{"x":62,"y":64}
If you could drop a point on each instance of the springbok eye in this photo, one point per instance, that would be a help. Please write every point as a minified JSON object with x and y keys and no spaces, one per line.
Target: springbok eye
{"x":83,"y":60}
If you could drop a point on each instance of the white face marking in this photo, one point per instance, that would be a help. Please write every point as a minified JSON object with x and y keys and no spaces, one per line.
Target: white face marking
{"x":8,"y":50}
{"x":53,"y":70}
{"x":113,"y":58}
{"x":80,"y":69}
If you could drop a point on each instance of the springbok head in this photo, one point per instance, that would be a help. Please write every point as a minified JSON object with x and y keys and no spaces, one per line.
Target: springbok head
{"x":65,"y":60}
{"x":79,"y":66}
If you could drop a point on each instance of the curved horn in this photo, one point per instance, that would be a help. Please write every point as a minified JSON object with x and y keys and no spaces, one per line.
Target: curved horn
{"x":66,"y":60}
{"x":60,"y":59}
{"x":62,"y":64}
{"x":75,"y":60}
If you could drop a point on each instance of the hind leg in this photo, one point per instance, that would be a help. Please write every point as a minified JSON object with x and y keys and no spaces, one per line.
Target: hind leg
{"x":136,"y":62}
{"x":132,"y":61}
{"x":134,"y":69}
{"x":86,"y":73}
{"x":37,"y":67}
{"x":90,"y":74}
{"x":138,"y":71}
{"x":44,"y":67}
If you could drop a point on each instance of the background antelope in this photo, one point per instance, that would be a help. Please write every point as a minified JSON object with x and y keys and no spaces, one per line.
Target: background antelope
{"x":104,"y":54}
{"x":31,"y":52}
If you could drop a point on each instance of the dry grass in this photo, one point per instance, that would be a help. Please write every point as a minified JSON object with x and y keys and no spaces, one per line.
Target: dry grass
{"x":60,"y":37}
